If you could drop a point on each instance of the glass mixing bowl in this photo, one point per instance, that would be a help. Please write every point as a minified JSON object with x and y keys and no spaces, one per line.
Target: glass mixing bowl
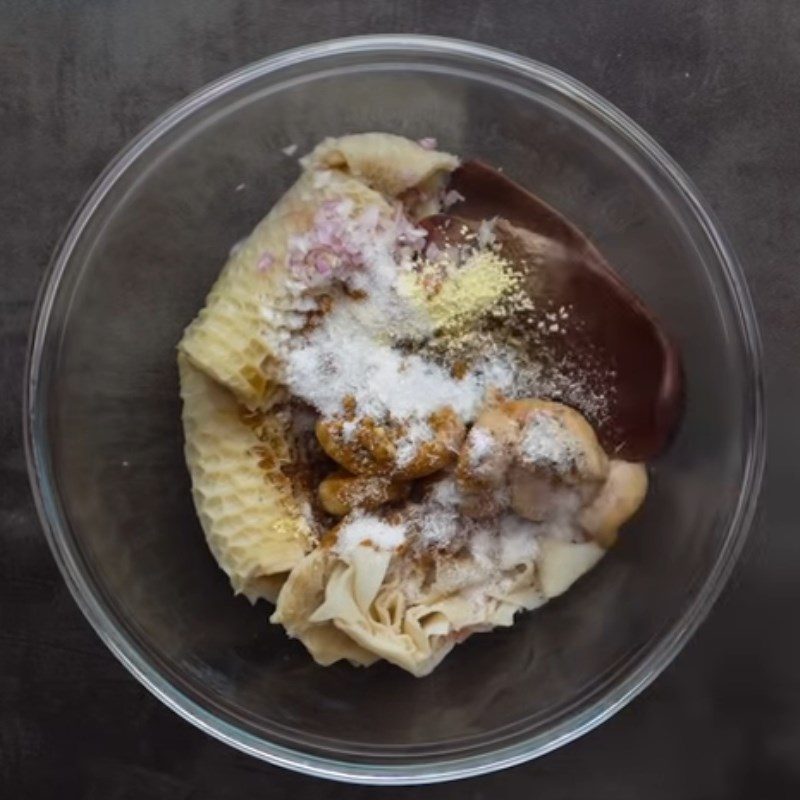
{"x":105,"y":443}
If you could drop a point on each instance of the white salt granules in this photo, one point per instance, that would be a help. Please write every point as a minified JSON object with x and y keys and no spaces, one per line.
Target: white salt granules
{"x":518,"y":541}
{"x":546,"y":442}
{"x":515,"y":542}
{"x":364,"y":250}
{"x":446,"y":493}
{"x":417,"y":432}
{"x":439,"y":527}
{"x":339,"y":359}
{"x":368,"y":529}
{"x":481,"y":446}
{"x":438,"y":519}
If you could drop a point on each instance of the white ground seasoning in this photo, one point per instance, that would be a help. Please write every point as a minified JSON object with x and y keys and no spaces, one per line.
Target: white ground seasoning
{"x":340,"y":358}
{"x":368,"y":529}
{"x":417,"y":432}
{"x":445,"y":492}
{"x":438,"y":517}
{"x":546,"y":442}
{"x":502,"y":544}
{"x":514,"y":542}
{"x":436,"y":522}
{"x":440,"y":527}
{"x":486,"y":235}
{"x":481,"y":446}
{"x":483,"y":548}
{"x":349,"y":427}
{"x":518,"y":541}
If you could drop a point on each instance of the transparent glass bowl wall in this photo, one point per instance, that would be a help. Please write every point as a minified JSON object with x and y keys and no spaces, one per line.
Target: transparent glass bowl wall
{"x":105,"y":444}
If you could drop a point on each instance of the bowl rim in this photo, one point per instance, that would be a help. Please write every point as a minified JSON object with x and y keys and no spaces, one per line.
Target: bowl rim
{"x":374,"y":772}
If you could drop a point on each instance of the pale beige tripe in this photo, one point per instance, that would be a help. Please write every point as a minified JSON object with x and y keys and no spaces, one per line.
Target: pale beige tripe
{"x":249,"y":514}
{"x":386,"y":605}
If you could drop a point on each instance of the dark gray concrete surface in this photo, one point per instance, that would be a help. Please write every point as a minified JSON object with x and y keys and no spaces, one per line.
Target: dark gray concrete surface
{"x":717,"y":82}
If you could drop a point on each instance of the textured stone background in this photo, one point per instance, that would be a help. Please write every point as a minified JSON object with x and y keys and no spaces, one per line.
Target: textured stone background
{"x":715,"y":81}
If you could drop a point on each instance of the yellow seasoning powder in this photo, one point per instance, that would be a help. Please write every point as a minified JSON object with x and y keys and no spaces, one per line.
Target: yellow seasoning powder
{"x":466,"y":293}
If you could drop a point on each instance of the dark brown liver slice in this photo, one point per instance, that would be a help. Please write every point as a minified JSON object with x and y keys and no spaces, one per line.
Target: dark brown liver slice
{"x":635,"y":365}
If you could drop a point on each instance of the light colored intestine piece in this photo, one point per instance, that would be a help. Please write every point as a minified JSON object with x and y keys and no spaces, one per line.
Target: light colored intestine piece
{"x":618,"y":500}
{"x":557,"y":439}
{"x":545,"y":454}
{"x":302,"y":594}
{"x":246,"y":507}
{"x":549,"y":459}
{"x":562,"y":563}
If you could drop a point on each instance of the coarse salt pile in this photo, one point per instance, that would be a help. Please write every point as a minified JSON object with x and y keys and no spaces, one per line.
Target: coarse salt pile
{"x":339,"y":359}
